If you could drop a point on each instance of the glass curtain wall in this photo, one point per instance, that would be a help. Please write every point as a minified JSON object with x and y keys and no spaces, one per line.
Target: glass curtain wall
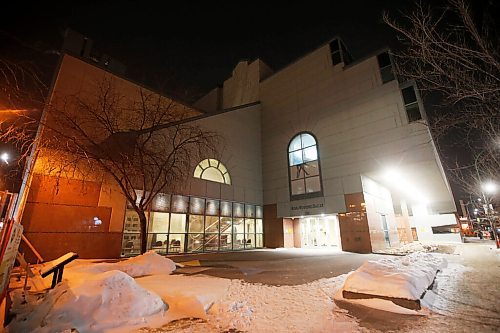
{"x":178,"y":224}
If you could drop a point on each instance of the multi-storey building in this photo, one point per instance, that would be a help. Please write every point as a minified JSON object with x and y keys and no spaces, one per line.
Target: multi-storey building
{"x":324,"y":152}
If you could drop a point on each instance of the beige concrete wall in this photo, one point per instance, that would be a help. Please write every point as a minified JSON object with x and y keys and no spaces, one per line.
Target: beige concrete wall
{"x":360,"y":124}
{"x":240,"y":152}
{"x":243,"y":85}
{"x":211,"y":101}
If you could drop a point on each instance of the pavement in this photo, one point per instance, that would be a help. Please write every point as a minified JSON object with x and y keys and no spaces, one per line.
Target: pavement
{"x":467,"y":296}
{"x":278,"y":266}
{"x":467,"y":291}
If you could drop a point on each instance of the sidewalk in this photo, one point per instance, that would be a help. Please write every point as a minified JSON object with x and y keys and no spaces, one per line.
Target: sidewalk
{"x":279,"y":266}
{"x":466,"y":296}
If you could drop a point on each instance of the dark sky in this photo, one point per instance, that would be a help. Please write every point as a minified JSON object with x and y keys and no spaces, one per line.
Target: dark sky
{"x":186,"y":48}
{"x":192,"y":46}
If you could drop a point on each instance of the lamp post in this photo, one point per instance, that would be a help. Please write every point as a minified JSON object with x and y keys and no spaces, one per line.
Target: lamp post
{"x":490,"y":188}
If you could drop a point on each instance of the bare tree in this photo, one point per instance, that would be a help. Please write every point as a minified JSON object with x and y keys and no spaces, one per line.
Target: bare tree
{"x":144,"y":143}
{"x":22,"y":91}
{"x":454,"y":54}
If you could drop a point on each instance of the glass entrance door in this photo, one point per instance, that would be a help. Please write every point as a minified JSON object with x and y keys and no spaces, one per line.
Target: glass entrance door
{"x":318,"y":231}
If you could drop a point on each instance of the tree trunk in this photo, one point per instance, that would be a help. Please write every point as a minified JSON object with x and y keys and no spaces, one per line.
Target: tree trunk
{"x":144,"y":235}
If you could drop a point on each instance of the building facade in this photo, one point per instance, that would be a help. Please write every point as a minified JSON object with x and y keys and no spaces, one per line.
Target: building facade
{"x":325,"y":152}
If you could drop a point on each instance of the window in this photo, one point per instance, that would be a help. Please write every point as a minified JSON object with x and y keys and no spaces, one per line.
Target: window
{"x":339,"y":53}
{"x":411,"y":104}
{"x":304,"y":170}
{"x":335,"y":51}
{"x":213,"y":170}
{"x":195,"y":224}
{"x":385,"y":67}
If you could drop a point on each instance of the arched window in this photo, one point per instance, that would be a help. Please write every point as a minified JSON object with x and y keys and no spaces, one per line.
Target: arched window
{"x":213,"y":170}
{"x":304,"y":169}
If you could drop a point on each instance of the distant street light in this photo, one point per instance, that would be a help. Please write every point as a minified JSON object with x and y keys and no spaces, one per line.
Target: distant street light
{"x":490,"y":188}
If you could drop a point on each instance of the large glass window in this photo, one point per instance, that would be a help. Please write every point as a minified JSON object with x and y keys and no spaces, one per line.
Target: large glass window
{"x":177,"y":233}
{"x":131,"y":242}
{"x":213,"y":170}
{"x":259,"y":230}
{"x":211,"y":233}
{"x":195,"y":235}
{"x":226,"y":224}
{"x":304,"y":170}
{"x":207,"y":225}
{"x":249,"y":233}
{"x":238,"y":233}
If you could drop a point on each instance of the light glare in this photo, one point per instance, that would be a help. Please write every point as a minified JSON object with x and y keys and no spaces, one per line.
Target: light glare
{"x":401,"y":183}
{"x":5,"y":157}
{"x":489,"y":187}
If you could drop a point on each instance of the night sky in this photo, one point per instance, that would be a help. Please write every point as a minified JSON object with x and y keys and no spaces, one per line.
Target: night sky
{"x":189,"y":47}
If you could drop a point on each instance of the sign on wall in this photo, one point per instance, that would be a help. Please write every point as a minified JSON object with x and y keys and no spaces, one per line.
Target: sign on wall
{"x":305,"y":207}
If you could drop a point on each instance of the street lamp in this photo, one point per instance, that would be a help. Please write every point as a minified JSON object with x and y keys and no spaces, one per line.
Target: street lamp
{"x":5,"y":157}
{"x":490,"y":188}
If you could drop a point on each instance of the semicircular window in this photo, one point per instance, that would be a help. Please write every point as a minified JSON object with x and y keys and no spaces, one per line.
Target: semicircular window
{"x":304,"y":169}
{"x":212,"y":170}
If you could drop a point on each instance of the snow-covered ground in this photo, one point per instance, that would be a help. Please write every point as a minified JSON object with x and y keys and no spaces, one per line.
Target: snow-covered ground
{"x":141,"y":295}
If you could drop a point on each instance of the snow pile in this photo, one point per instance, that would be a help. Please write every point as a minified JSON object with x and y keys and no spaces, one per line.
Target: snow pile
{"x":101,"y":301}
{"x":150,"y":263}
{"x":186,"y":296}
{"x":400,"y":277}
{"x":409,"y":248}
{"x":94,"y":297}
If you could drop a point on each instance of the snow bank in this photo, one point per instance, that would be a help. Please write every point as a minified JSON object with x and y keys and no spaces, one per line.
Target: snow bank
{"x":186,"y":296}
{"x":101,"y":301}
{"x":93,"y":297}
{"x":400,"y":277}
{"x":150,"y":263}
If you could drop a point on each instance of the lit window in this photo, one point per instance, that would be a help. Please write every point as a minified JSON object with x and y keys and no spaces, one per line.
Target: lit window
{"x":213,"y":170}
{"x":304,"y":171}
{"x":411,"y":104}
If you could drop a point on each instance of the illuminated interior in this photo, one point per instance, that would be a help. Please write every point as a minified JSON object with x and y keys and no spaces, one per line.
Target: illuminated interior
{"x":212,"y":170}
{"x":303,"y":166}
{"x":319,"y":231}
{"x":193,"y":224}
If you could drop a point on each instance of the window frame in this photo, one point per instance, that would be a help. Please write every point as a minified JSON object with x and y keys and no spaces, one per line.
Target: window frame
{"x":383,"y":68}
{"x":305,"y":195}
{"x":224,"y":175}
{"x":418,"y":102}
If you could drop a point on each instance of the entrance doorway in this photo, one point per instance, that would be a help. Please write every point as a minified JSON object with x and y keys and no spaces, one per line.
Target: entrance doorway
{"x":319,"y":231}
